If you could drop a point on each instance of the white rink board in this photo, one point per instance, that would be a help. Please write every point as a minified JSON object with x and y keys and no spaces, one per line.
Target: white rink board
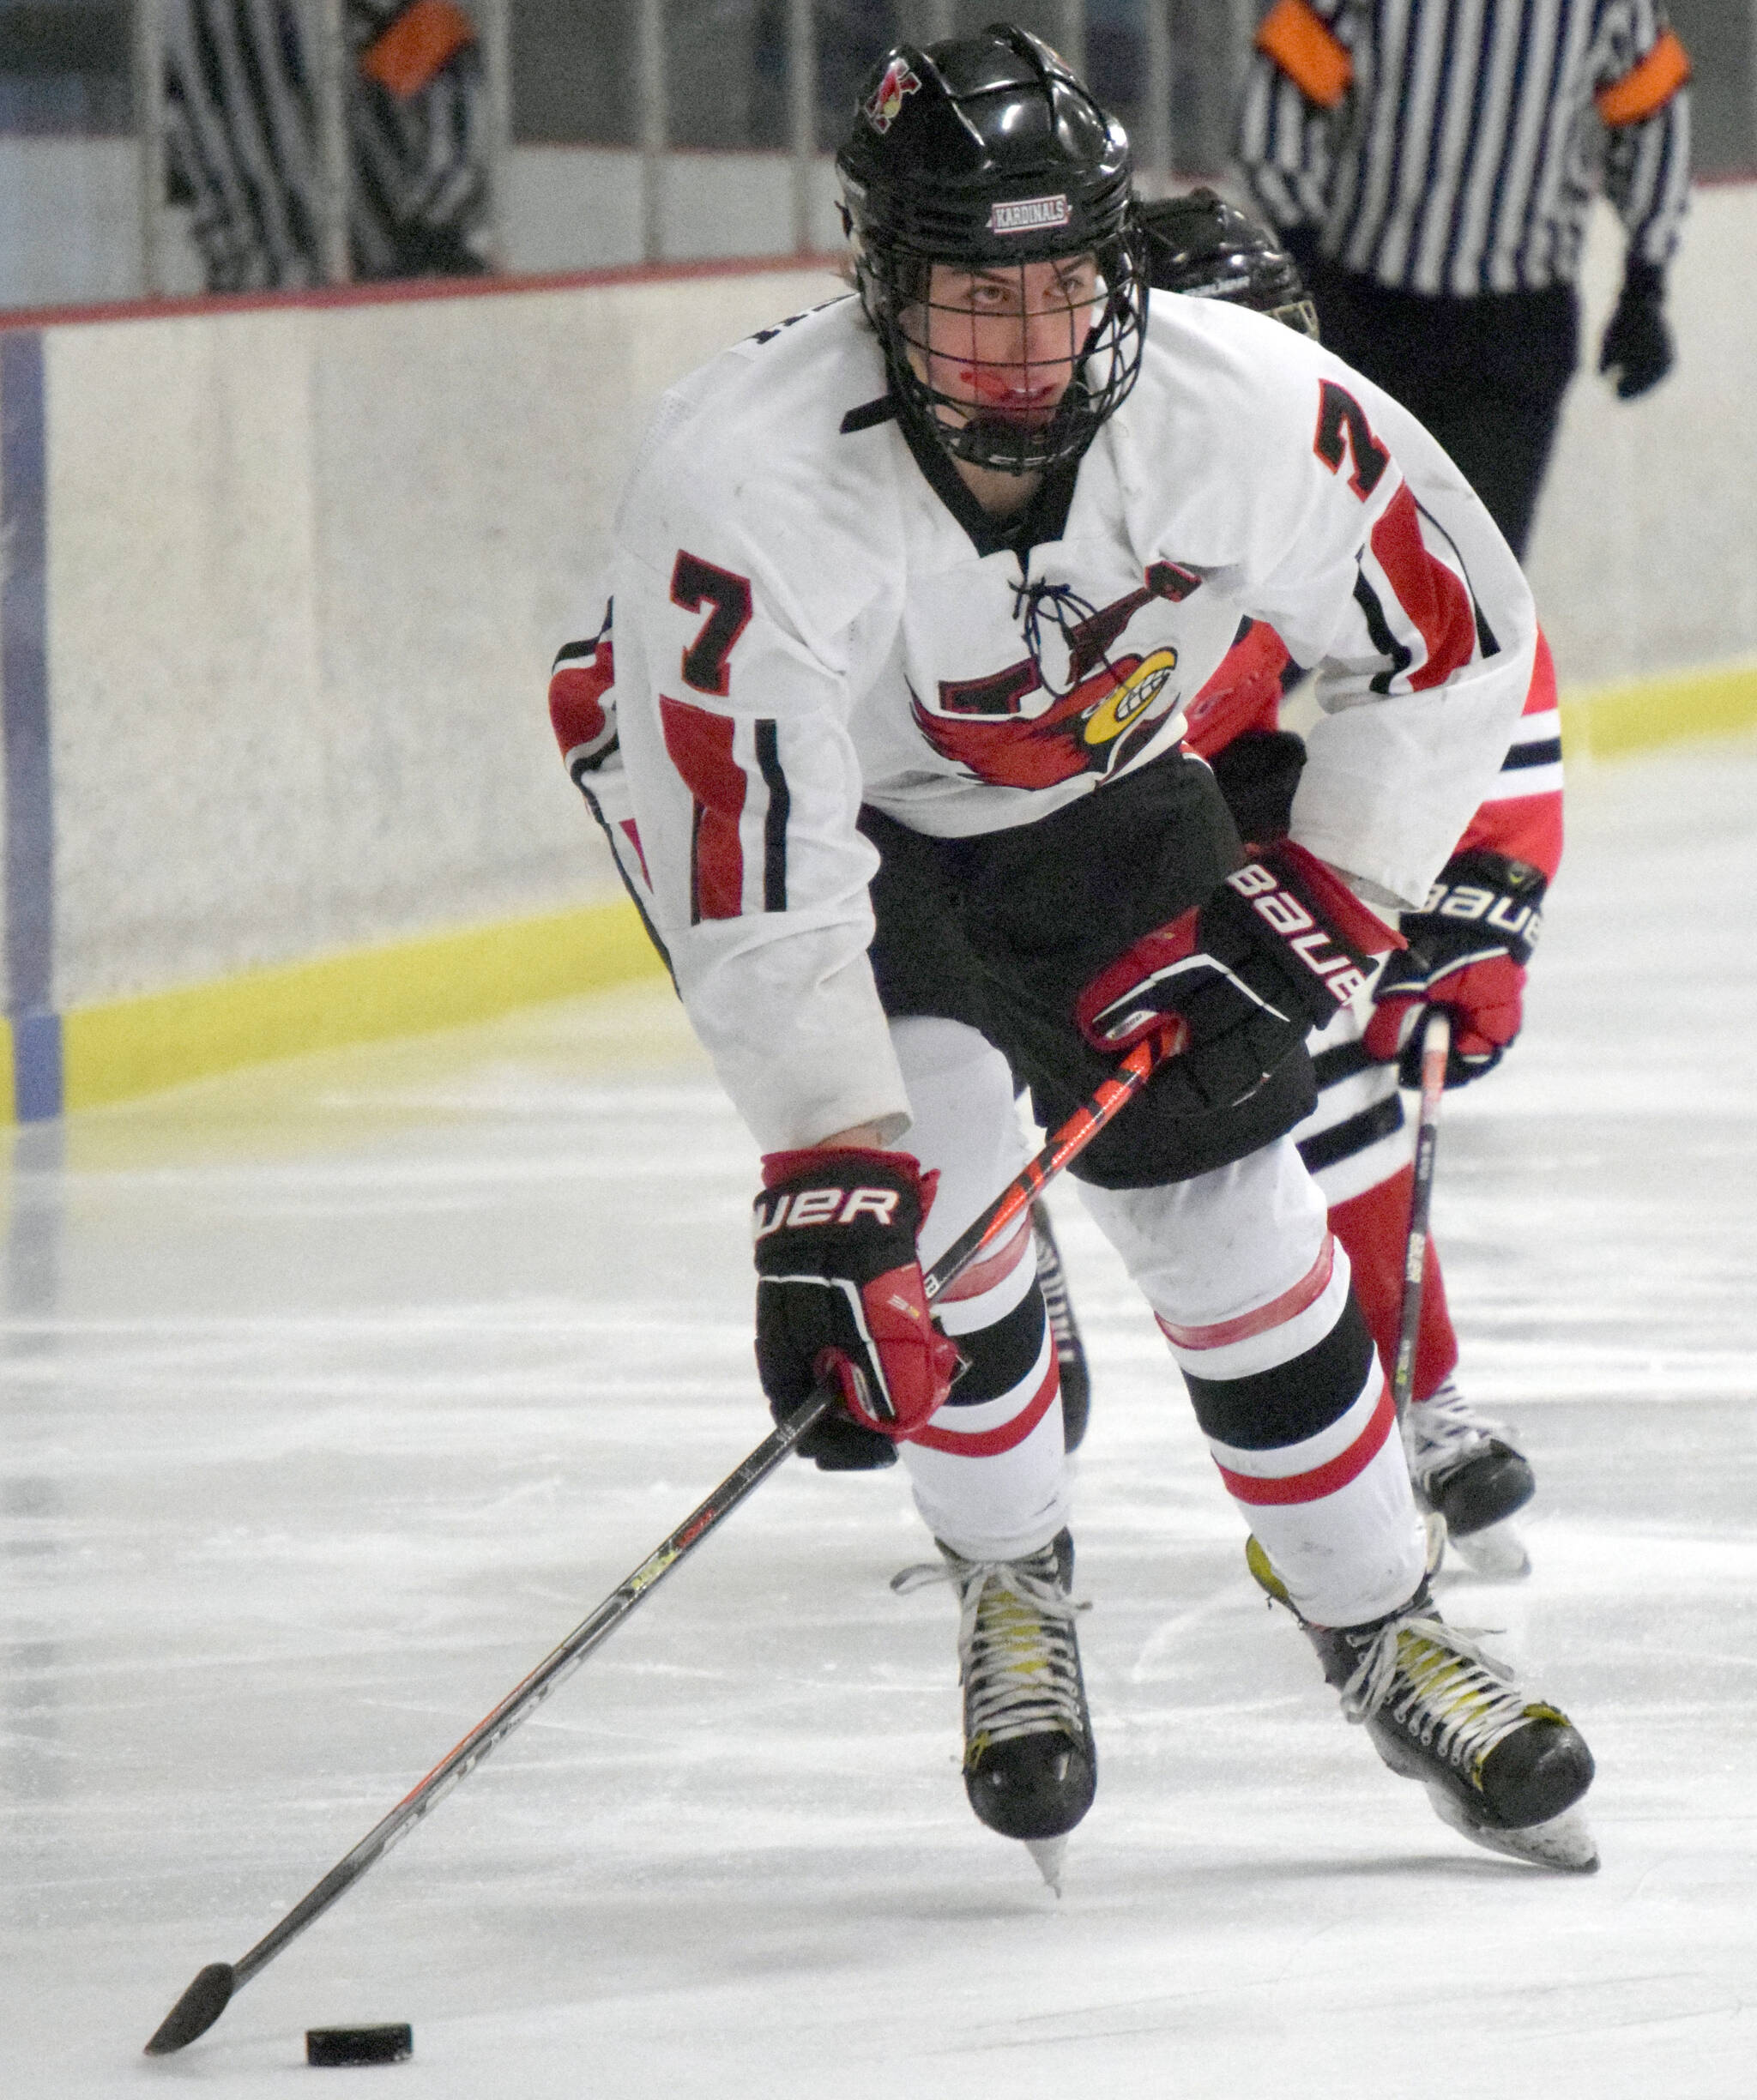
{"x":337,"y":1392}
{"x":308,"y":568}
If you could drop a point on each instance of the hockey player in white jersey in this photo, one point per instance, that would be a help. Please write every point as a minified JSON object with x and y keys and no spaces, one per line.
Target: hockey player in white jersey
{"x":909,"y":598}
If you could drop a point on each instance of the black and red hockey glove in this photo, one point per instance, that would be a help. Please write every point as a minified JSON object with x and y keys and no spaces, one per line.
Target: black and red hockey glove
{"x":840,"y":1297}
{"x":1278,"y":948}
{"x":1468,"y":948}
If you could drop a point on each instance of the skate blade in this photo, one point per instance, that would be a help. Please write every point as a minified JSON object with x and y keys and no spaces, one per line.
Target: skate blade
{"x":1564,"y":1843}
{"x":1433,"y":1528}
{"x":1496,"y":1551}
{"x":1049,"y":1853}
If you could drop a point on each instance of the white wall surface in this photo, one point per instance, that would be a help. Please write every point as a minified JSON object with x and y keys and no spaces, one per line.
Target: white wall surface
{"x":308,"y":568}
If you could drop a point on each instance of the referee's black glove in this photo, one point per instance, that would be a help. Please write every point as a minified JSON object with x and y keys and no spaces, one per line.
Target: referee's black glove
{"x":1638,"y":346}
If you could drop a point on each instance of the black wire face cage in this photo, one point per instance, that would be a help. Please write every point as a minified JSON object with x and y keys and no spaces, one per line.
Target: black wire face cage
{"x":992,"y":381}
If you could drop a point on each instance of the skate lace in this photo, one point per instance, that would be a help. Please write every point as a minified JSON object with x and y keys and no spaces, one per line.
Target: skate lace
{"x":1439,"y":1685}
{"x":1444,"y":1426}
{"x":1018,"y":1659}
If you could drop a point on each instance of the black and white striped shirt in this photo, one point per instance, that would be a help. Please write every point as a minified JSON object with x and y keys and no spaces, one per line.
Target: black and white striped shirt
{"x":241,"y":130}
{"x":1455,"y":146}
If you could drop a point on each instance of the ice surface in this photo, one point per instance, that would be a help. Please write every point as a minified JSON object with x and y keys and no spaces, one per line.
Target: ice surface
{"x":336,"y":1394}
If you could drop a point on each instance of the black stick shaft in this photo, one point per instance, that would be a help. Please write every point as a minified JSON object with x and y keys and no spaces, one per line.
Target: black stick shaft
{"x":556,"y":1667}
{"x":1436,"y":1047}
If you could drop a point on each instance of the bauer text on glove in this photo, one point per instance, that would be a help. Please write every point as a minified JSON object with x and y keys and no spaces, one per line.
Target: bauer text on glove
{"x":1468,"y":948}
{"x":1278,"y":949}
{"x":840,"y":1297}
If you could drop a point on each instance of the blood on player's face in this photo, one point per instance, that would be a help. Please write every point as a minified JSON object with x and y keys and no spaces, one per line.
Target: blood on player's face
{"x":1005,"y":342}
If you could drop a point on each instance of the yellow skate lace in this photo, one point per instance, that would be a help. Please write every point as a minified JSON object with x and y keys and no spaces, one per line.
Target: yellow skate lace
{"x":1017,"y":1656}
{"x":1436,"y":1683}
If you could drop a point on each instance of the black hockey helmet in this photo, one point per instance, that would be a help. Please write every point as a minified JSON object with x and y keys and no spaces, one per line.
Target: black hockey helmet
{"x":1200,"y":245}
{"x":986,"y":153}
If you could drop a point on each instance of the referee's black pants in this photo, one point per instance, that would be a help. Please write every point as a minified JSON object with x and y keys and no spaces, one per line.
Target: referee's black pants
{"x":1486,"y":374}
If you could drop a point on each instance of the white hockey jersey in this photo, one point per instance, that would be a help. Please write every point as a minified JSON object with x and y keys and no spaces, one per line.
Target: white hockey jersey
{"x":802,"y":625}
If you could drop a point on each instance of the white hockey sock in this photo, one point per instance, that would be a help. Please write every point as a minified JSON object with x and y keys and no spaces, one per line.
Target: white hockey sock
{"x":1252,"y":1294}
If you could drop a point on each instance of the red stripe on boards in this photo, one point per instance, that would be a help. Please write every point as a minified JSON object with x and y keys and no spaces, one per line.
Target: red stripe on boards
{"x":1323,"y":1480}
{"x":700,"y":747}
{"x":1435,"y":602}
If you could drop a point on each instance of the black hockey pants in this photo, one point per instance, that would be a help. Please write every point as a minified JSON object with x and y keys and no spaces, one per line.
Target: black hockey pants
{"x":1002,"y":932}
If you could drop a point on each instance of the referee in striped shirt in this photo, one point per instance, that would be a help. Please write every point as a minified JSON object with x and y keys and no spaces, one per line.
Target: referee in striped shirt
{"x":1431,"y":163}
{"x":241,"y":138}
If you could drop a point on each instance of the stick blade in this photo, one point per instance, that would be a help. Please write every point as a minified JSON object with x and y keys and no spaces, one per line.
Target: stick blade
{"x":200,"y":2006}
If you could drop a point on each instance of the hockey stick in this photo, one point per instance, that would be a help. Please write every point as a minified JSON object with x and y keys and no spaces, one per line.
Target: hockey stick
{"x":206,"y":1998}
{"x":1436,"y":1048}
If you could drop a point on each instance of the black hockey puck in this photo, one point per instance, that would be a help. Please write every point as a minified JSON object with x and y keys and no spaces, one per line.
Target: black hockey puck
{"x":359,"y":2045}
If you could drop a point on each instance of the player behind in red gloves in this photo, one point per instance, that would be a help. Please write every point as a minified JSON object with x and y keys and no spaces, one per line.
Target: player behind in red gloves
{"x":1467,"y":952}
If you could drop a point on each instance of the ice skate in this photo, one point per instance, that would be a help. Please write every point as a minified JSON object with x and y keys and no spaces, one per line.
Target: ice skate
{"x":1504,"y":1770}
{"x":1029,"y":1767}
{"x":1070,"y":1351}
{"x":1465,"y":1470}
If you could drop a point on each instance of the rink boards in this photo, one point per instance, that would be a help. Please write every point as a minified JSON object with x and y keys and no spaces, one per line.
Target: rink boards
{"x":282,"y":582}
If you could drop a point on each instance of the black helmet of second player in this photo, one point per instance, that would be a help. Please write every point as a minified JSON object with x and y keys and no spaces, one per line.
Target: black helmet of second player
{"x":1198,"y":244}
{"x":985,"y":153}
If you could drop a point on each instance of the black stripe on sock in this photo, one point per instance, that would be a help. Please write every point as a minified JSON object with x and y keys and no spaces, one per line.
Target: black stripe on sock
{"x":1549,"y":753}
{"x":999,"y":1357}
{"x":1294,"y":1400}
{"x":1352,"y":1135}
{"x":1331,"y":1067}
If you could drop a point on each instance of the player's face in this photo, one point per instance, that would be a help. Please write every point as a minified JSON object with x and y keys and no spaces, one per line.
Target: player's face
{"x":1006,"y":343}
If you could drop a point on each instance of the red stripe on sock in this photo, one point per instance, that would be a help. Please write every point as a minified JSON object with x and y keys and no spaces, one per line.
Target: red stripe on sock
{"x":1323,"y":1480}
{"x":990,"y":1443}
{"x":1307,"y":1291}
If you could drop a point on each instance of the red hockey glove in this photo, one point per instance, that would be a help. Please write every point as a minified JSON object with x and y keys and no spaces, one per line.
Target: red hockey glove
{"x":1280,"y":945}
{"x":840,"y":1297}
{"x":1468,"y":948}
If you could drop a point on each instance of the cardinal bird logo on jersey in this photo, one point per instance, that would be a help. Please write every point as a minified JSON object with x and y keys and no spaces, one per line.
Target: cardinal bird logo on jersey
{"x":884,"y":105}
{"x":1115,"y":707}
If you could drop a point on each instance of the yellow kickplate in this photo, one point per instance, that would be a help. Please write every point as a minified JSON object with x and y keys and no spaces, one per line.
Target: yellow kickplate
{"x":1611,"y":720}
{"x":132,"y":1046}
